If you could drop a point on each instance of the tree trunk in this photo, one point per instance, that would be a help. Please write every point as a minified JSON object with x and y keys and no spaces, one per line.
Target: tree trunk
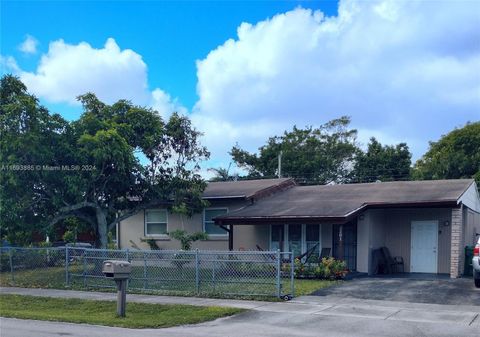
{"x":101,"y":227}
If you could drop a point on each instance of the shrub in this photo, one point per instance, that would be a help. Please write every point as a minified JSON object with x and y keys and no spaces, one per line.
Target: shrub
{"x":328,"y":268}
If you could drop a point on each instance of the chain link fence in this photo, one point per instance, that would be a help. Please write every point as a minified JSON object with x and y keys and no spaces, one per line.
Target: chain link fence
{"x":168,"y":272}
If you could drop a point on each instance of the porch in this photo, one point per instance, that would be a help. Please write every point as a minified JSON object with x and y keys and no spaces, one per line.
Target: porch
{"x":425,"y":238}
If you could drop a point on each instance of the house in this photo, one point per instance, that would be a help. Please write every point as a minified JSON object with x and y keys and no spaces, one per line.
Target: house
{"x":428,"y":223}
{"x":223,"y":197}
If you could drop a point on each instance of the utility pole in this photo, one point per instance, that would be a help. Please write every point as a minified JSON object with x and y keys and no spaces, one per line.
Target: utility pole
{"x":280,"y":164}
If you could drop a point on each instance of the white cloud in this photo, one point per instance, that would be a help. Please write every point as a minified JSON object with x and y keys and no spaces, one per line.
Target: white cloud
{"x":29,"y":46}
{"x":408,"y":70}
{"x":165,"y":104}
{"x":69,"y":70}
{"x":8,"y":64}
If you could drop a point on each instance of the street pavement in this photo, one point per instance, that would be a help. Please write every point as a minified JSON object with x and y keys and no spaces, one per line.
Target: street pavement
{"x":304,"y":316}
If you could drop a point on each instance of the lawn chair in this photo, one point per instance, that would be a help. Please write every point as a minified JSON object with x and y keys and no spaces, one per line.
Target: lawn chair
{"x":308,"y":253}
{"x":326,"y":252}
{"x":392,"y":263}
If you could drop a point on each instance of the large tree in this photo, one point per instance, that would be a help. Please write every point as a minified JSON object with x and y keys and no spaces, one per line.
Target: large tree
{"x":111,"y":163}
{"x":454,"y":155}
{"x":382,"y":162}
{"x":312,"y":155}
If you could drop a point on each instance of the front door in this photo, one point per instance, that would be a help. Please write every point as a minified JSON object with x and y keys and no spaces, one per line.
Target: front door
{"x":345,"y":243}
{"x":424,"y":244}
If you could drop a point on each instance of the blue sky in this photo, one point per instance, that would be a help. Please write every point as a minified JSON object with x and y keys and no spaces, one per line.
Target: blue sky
{"x":170,"y":35}
{"x":244,"y":71}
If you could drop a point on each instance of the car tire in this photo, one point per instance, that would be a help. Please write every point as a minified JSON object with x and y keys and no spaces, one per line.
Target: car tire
{"x":476,"y":279}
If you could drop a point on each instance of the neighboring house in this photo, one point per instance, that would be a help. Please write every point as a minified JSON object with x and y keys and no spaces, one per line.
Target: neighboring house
{"x":428,"y":223}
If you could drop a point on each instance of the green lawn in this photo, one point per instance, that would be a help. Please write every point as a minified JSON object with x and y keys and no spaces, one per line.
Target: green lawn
{"x":306,"y":287}
{"x":138,"y":315}
{"x":54,"y":277}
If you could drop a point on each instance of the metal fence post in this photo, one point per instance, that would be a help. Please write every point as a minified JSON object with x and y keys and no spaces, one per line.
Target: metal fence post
{"x":67,"y":261}
{"x":279,"y":283}
{"x":292,"y":274}
{"x":197,"y":273}
{"x":85,"y":268}
{"x":10,"y":257}
{"x":144,"y":270}
{"x":127,"y":257}
{"x":213,"y":274}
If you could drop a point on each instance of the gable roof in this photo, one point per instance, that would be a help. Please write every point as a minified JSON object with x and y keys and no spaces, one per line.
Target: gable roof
{"x":340,"y":202}
{"x":245,"y":189}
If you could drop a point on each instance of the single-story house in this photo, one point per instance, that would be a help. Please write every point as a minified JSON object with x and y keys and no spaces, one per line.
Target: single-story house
{"x":427,"y":223}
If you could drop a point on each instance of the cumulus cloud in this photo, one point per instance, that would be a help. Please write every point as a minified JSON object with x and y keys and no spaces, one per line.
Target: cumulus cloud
{"x":165,"y":104}
{"x":408,"y":70}
{"x":29,"y":46}
{"x":68,"y":70}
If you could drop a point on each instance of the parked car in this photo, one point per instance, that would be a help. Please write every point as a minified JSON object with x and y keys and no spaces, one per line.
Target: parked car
{"x":476,"y":264}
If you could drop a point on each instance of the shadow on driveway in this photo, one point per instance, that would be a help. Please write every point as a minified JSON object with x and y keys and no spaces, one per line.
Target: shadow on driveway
{"x":435,"y":291}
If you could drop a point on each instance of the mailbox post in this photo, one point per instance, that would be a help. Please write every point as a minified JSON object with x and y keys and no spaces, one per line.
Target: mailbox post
{"x":119,"y":271}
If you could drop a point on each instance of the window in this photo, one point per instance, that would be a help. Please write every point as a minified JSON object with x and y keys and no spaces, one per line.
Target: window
{"x":156,"y":222}
{"x":277,"y":237}
{"x":296,"y":238}
{"x":209,"y":226}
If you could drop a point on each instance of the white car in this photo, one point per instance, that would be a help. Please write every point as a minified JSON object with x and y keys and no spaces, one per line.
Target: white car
{"x":476,"y":264}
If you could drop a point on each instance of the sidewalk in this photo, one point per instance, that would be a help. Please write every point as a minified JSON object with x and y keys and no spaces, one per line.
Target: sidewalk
{"x":304,"y":305}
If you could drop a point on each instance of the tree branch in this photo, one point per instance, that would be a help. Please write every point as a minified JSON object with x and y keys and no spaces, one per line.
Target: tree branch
{"x":78,"y":206}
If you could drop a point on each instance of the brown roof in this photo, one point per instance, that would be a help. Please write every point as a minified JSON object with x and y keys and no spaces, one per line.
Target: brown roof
{"x":245,"y":188}
{"x":337,"y":202}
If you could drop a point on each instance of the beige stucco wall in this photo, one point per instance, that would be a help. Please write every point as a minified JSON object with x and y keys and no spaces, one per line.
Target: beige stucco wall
{"x":133,"y":229}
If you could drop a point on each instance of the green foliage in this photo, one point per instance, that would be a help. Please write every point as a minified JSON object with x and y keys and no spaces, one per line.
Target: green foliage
{"x":89,"y":168}
{"x":223,"y":174}
{"x":328,"y":268}
{"x":382,"y":162}
{"x":27,"y":135}
{"x":454,"y":155}
{"x":110,"y":244}
{"x":69,"y":236}
{"x":186,"y":239}
{"x":313,"y":155}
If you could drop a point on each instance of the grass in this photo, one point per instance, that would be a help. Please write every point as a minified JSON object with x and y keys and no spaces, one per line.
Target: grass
{"x":306,"y":287}
{"x":138,"y":315}
{"x":54,"y":278}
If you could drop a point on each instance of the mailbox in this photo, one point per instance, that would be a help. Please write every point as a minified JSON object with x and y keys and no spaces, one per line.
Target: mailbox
{"x":117,"y":270}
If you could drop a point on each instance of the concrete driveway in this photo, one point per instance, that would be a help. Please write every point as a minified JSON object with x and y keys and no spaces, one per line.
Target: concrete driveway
{"x":415,"y":290}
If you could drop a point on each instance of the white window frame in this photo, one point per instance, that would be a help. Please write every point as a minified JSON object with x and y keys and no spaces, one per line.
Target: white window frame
{"x":145,"y":223}
{"x":304,"y":238}
{"x":203,"y":220}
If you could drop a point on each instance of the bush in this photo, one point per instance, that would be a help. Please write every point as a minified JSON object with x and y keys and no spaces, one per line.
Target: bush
{"x":328,"y":268}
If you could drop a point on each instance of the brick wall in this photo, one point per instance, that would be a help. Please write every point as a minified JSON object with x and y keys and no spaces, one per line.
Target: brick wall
{"x":457,"y":254}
